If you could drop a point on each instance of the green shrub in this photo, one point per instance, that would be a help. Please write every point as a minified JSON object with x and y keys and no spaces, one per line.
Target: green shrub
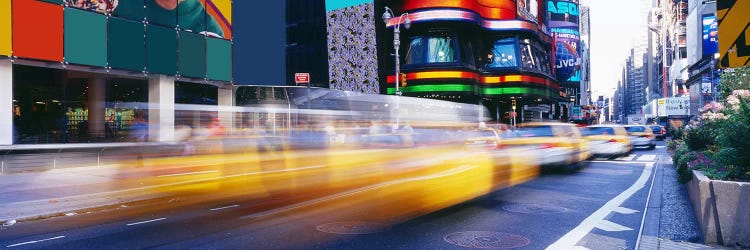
{"x":684,"y":171}
{"x":673,"y":144}
{"x":678,"y":133}
{"x":701,"y":137}
{"x":733,"y":140}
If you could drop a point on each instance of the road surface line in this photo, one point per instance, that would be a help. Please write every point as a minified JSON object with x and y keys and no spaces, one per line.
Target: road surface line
{"x":188,"y":173}
{"x":624,"y":210}
{"x":35,"y":241}
{"x":647,"y":158}
{"x":143,"y":222}
{"x":620,"y":162}
{"x":569,"y":240}
{"x":611,"y":226}
{"x":220,"y":208}
{"x":645,"y":208}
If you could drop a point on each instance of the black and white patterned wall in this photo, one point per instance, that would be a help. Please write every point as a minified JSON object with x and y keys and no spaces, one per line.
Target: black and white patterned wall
{"x":352,"y":50}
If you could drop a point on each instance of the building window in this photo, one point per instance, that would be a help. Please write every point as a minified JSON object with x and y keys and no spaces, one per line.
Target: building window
{"x":502,"y":54}
{"x":432,"y":49}
{"x":683,"y":52}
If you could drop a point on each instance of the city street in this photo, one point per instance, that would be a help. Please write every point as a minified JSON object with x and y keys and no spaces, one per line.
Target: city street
{"x":600,"y":207}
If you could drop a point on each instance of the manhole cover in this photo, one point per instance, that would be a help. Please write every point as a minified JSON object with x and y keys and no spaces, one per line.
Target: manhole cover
{"x":351,"y":227}
{"x":486,"y":239}
{"x":531,"y":208}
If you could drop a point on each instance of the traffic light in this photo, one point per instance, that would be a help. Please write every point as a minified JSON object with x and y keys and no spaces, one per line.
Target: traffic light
{"x":403,"y":80}
{"x":513,"y":104}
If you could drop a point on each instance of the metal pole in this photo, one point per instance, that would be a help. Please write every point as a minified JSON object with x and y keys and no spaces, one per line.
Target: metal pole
{"x":396,"y":45}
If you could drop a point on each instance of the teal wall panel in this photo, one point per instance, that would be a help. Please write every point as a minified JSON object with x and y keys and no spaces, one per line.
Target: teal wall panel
{"x":127,"y":47}
{"x":219,"y":59}
{"x":85,"y":37}
{"x":161,"y":50}
{"x":191,"y":58}
{"x":53,"y":1}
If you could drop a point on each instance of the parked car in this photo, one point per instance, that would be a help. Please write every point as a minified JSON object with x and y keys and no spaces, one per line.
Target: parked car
{"x":659,"y":131}
{"x":641,"y":136}
{"x":609,"y":141}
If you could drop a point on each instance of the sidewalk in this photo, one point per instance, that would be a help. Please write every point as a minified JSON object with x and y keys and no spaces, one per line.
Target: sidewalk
{"x":670,"y":222}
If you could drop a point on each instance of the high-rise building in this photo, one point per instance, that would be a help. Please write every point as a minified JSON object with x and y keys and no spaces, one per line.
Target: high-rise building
{"x":585,"y":28}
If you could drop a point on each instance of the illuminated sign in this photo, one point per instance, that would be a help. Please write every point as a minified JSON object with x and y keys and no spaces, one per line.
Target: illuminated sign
{"x":563,"y":7}
{"x":710,"y":35}
{"x":734,"y":26}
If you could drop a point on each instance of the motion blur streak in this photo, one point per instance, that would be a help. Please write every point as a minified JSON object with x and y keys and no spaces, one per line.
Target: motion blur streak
{"x":366,"y":164}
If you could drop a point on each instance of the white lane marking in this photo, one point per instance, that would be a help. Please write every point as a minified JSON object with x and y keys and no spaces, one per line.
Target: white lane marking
{"x":627,"y":158}
{"x":624,"y":210}
{"x":188,"y":173}
{"x":611,"y":226}
{"x":661,"y":146}
{"x":645,"y":210}
{"x":570,"y":239}
{"x":220,"y":208}
{"x":143,"y":222}
{"x":35,"y":241}
{"x":619,"y":162}
{"x":647,"y":158}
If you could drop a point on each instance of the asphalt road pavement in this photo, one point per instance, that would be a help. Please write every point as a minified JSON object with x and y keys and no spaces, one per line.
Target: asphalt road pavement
{"x":599,"y":207}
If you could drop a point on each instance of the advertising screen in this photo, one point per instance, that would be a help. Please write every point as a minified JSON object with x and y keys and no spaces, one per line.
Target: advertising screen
{"x":209,"y":17}
{"x":710,"y":35}
{"x":564,"y":25}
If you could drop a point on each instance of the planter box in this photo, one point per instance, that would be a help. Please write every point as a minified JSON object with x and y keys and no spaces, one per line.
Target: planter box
{"x":722,"y":209}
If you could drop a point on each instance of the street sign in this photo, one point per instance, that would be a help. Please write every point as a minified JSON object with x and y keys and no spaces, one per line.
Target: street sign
{"x":302,"y":78}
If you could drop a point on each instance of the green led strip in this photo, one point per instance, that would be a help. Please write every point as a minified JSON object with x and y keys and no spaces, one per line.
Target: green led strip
{"x":435,"y":88}
{"x":516,"y":91}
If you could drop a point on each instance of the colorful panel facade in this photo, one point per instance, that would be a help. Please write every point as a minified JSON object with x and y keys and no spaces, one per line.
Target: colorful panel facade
{"x":218,"y":59}
{"x":191,"y":58}
{"x":161,"y":50}
{"x":6,"y":40}
{"x":85,"y":38}
{"x":127,"y":48}
{"x":38,"y":30}
{"x":352,"y":50}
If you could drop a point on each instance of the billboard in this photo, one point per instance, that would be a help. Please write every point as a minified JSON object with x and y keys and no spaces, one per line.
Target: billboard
{"x":734,"y":27}
{"x":710,"y":35}
{"x":564,"y":24}
{"x":209,"y":17}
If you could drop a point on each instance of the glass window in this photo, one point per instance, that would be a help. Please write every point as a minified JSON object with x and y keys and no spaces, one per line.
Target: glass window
{"x":635,"y":129}
{"x":431,"y":50}
{"x":598,"y":131}
{"x":502,"y":54}
{"x":536,"y":131}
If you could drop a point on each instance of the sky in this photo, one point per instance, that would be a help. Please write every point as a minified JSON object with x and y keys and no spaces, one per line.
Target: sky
{"x":614,"y":26}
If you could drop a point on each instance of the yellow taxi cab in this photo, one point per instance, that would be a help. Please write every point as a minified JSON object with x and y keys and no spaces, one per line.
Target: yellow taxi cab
{"x":482,"y":138}
{"x":559,"y":144}
{"x":641,"y":136}
{"x":609,"y":141}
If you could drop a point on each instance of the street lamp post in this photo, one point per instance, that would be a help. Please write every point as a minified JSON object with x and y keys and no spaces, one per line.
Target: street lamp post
{"x":387,"y":16}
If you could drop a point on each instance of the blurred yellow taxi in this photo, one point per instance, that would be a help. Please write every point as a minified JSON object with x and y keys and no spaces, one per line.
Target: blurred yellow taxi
{"x":641,"y":136}
{"x":482,"y":138}
{"x":559,"y":144}
{"x":609,"y":141}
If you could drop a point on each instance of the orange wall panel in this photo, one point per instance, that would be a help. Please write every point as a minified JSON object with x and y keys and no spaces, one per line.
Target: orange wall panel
{"x":38,"y":30}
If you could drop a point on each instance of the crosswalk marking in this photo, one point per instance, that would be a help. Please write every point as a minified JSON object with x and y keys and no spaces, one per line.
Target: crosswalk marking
{"x":612,"y":227}
{"x":624,"y":210}
{"x":647,"y":158}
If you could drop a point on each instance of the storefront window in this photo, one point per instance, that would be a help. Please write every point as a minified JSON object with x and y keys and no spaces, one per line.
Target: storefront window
{"x":502,"y":54}
{"x":435,"y":49}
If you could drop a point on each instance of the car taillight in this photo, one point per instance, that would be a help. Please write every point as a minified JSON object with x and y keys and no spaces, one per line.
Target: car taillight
{"x":663,"y":131}
{"x":612,"y":140}
{"x":646,"y":136}
{"x":548,"y":145}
